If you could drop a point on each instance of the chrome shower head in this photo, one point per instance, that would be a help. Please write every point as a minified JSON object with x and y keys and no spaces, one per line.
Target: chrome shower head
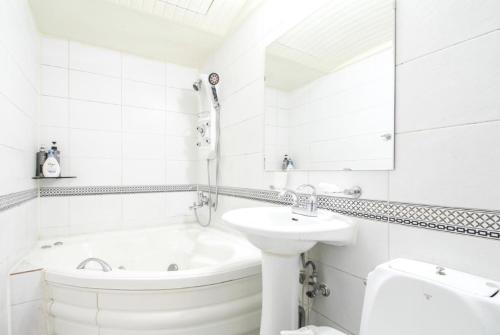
{"x":197,"y":85}
{"x":213,"y":78}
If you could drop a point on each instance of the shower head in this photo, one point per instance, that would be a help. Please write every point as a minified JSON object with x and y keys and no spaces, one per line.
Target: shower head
{"x":213,"y":78}
{"x":197,"y":85}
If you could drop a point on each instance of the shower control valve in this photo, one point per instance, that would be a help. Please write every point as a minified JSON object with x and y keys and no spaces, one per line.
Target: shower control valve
{"x":200,"y":130}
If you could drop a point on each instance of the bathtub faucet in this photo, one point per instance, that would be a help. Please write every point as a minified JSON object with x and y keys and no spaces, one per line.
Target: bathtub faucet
{"x":105,"y":266}
{"x":203,"y":200}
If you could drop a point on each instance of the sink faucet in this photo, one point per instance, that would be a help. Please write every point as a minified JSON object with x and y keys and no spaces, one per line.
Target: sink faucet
{"x":310,"y":207}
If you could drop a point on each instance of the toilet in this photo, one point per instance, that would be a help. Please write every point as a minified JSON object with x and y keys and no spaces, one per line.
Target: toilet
{"x":414,"y":298}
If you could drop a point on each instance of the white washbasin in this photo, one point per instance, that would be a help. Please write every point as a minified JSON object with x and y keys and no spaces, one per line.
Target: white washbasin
{"x":282,"y":236}
{"x":278,"y":230}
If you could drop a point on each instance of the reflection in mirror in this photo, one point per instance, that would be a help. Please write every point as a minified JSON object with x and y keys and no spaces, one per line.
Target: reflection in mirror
{"x":330,"y":90}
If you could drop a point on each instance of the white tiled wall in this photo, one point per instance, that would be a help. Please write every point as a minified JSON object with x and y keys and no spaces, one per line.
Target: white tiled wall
{"x":118,"y":120}
{"x":447,"y":126}
{"x":19,"y":89}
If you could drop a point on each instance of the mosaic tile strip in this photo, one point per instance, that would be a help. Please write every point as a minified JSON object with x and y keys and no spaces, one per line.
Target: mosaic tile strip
{"x":472,"y":222}
{"x":467,"y":221}
{"x":101,"y":190}
{"x":269,"y":196}
{"x":15,"y":199}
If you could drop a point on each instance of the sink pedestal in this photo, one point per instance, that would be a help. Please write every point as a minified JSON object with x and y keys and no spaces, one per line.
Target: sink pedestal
{"x":280,"y":293}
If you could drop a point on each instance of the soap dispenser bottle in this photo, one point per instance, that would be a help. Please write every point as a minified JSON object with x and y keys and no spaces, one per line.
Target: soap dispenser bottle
{"x":51,"y":167}
{"x":284,"y":164}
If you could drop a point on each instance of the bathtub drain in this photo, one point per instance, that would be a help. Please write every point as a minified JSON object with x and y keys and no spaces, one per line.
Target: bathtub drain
{"x":173,"y":267}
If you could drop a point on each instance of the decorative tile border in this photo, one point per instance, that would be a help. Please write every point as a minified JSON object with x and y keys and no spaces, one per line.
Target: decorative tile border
{"x":466,"y":221}
{"x":472,"y":222}
{"x":101,"y":190}
{"x":15,"y":199}
{"x":251,"y":194}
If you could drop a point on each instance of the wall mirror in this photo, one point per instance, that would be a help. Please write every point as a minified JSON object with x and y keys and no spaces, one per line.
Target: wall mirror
{"x":330,"y":90}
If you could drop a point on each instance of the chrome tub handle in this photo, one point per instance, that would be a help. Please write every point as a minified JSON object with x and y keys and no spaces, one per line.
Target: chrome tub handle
{"x":105,"y":266}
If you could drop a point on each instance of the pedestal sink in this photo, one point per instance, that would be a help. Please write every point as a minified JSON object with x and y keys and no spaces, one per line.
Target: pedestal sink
{"x":283,"y":236}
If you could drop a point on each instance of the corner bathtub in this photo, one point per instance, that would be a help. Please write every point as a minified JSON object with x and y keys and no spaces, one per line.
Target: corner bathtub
{"x":216,"y":290}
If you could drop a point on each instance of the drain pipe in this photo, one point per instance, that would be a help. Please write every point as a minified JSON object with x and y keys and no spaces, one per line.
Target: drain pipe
{"x":305,"y":305}
{"x":311,"y":288}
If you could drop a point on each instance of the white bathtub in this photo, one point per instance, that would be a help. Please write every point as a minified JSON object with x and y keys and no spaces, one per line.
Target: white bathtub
{"x":217,"y":289}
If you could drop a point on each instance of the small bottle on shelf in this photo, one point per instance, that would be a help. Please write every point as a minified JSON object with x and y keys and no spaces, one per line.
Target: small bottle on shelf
{"x":51,"y":167}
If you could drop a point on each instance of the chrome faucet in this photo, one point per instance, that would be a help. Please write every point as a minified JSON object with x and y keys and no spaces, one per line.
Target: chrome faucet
{"x":104,"y":265}
{"x":310,"y":207}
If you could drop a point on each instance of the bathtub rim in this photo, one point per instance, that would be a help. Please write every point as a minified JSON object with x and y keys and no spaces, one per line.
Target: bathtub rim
{"x":150,"y":280}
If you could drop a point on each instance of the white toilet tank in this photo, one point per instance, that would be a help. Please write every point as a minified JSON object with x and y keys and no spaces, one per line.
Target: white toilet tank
{"x":405,"y":297}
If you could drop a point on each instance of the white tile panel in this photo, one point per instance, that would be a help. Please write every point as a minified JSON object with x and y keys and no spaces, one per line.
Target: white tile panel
{"x":95,"y":115}
{"x":426,"y":26}
{"x":94,"y":87}
{"x":96,"y":171}
{"x":454,"y":86}
{"x":87,"y":58}
{"x":448,"y":167}
{"x":144,"y":70}
{"x":468,"y":254}
{"x":143,"y":120}
{"x":54,"y":212}
{"x":54,"y":51}
{"x":345,"y":304}
{"x":95,"y":144}
{"x":144,"y":172}
{"x":137,"y":94}
{"x":143,"y":146}
{"x":54,"y":111}
{"x":54,"y":81}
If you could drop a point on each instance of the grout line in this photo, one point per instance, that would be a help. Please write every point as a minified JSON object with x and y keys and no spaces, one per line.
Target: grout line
{"x":12,"y":57}
{"x":120,"y":77}
{"x":114,"y":104}
{"x":333,"y":322}
{"x":18,"y":108}
{"x":226,"y":126}
{"x":341,"y":270}
{"x":474,"y":123}
{"x":447,"y":47}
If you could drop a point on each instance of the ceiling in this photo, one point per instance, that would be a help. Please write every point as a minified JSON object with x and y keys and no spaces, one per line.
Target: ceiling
{"x":179,"y":31}
{"x":213,"y":16}
{"x":338,"y":34}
